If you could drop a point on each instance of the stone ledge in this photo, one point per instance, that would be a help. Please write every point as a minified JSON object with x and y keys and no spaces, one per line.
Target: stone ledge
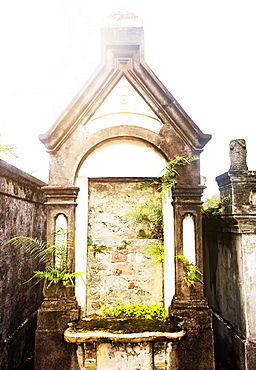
{"x":96,"y":336}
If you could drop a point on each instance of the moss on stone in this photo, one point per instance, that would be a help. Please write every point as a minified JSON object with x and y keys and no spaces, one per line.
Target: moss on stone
{"x":126,"y":326}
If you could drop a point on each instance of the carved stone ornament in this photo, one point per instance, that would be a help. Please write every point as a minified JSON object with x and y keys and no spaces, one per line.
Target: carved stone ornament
{"x":237,"y":154}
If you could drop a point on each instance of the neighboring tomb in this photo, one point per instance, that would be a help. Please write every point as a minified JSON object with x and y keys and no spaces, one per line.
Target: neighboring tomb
{"x":230,"y":258}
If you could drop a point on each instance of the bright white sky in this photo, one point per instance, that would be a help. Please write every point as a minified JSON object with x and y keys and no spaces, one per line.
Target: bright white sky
{"x":202,"y":50}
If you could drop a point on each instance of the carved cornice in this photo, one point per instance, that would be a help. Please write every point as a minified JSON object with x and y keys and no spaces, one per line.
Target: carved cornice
{"x":188,"y":194}
{"x":60,"y":195}
{"x":238,"y":224}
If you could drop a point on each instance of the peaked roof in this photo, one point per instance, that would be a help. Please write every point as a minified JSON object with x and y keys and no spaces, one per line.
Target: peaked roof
{"x":123,"y":56}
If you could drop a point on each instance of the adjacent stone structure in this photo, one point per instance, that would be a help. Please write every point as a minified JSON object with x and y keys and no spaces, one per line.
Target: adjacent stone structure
{"x":22,"y":212}
{"x":230,"y":258}
{"x":124,"y":124}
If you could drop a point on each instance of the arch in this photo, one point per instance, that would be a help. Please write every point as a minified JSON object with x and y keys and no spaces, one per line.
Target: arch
{"x":123,"y":158}
{"x":133,"y":133}
{"x":61,"y":221}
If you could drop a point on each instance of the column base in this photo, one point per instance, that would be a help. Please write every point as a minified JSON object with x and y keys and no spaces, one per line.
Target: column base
{"x":51,"y":351}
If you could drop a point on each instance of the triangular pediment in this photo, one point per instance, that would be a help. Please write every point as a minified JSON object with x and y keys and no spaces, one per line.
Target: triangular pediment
{"x":123,"y":106}
{"x":123,"y":85}
{"x":124,"y":99}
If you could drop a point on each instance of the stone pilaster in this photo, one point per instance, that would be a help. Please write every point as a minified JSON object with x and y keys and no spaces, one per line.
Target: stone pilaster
{"x":61,"y":201}
{"x":187,"y":201}
{"x":189,"y":302}
{"x":59,"y":307}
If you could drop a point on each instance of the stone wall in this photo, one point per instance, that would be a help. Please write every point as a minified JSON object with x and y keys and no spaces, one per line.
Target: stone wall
{"x":21,"y":213}
{"x":124,"y":271}
{"x":229,"y":275}
{"x":223,"y":277}
{"x":109,"y":202}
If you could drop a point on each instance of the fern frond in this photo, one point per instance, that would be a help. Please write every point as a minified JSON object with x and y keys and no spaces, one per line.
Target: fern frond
{"x":62,"y":243}
{"x":37,"y":248}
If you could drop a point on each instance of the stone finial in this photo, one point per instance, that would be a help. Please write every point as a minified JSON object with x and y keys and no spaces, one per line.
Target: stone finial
{"x":122,"y":32}
{"x":237,"y":154}
{"x":123,"y":19}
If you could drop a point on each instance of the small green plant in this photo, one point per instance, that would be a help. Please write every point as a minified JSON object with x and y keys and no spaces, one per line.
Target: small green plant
{"x":154,"y":312}
{"x":213,"y":207}
{"x":93,"y":247}
{"x":156,"y":250}
{"x":53,"y":256}
{"x":150,"y":214}
{"x":191,"y":271}
{"x":125,"y":244}
{"x":7,"y":151}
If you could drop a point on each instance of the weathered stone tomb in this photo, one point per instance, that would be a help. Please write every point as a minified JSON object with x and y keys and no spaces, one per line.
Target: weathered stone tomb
{"x":230,"y":257}
{"x":118,"y":132}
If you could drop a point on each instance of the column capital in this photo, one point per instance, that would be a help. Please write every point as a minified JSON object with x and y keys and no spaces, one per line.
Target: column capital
{"x":60,"y":194}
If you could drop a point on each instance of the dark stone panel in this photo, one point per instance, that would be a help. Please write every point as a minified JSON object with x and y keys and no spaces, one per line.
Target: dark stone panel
{"x":18,"y":351}
{"x":251,"y":355}
{"x":52,"y":352}
{"x":195,"y":351}
{"x":229,"y":348}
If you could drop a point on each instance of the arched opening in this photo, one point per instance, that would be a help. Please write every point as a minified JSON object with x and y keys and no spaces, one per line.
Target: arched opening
{"x":61,"y":240}
{"x":189,"y":240}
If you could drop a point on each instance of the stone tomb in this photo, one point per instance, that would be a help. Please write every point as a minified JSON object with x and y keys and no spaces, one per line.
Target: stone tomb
{"x":120,"y":130}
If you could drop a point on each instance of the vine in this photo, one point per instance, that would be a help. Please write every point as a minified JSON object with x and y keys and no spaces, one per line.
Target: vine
{"x":170,"y":175}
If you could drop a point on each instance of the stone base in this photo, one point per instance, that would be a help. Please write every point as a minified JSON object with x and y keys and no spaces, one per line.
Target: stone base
{"x":114,"y":356}
{"x":196,"y":350}
{"x":125,"y":356}
{"x":51,"y":351}
{"x":106,"y":350}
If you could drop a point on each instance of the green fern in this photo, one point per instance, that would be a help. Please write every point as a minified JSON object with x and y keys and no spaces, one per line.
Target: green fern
{"x":213,"y":207}
{"x":39,"y":249}
{"x":53,"y":255}
{"x":95,"y":248}
{"x":157,"y":251}
{"x":150,"y":214}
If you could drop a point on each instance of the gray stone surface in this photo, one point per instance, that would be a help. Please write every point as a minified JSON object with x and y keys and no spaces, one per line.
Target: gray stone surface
{"x":237,"y":153}
{"x":22,"y":212}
